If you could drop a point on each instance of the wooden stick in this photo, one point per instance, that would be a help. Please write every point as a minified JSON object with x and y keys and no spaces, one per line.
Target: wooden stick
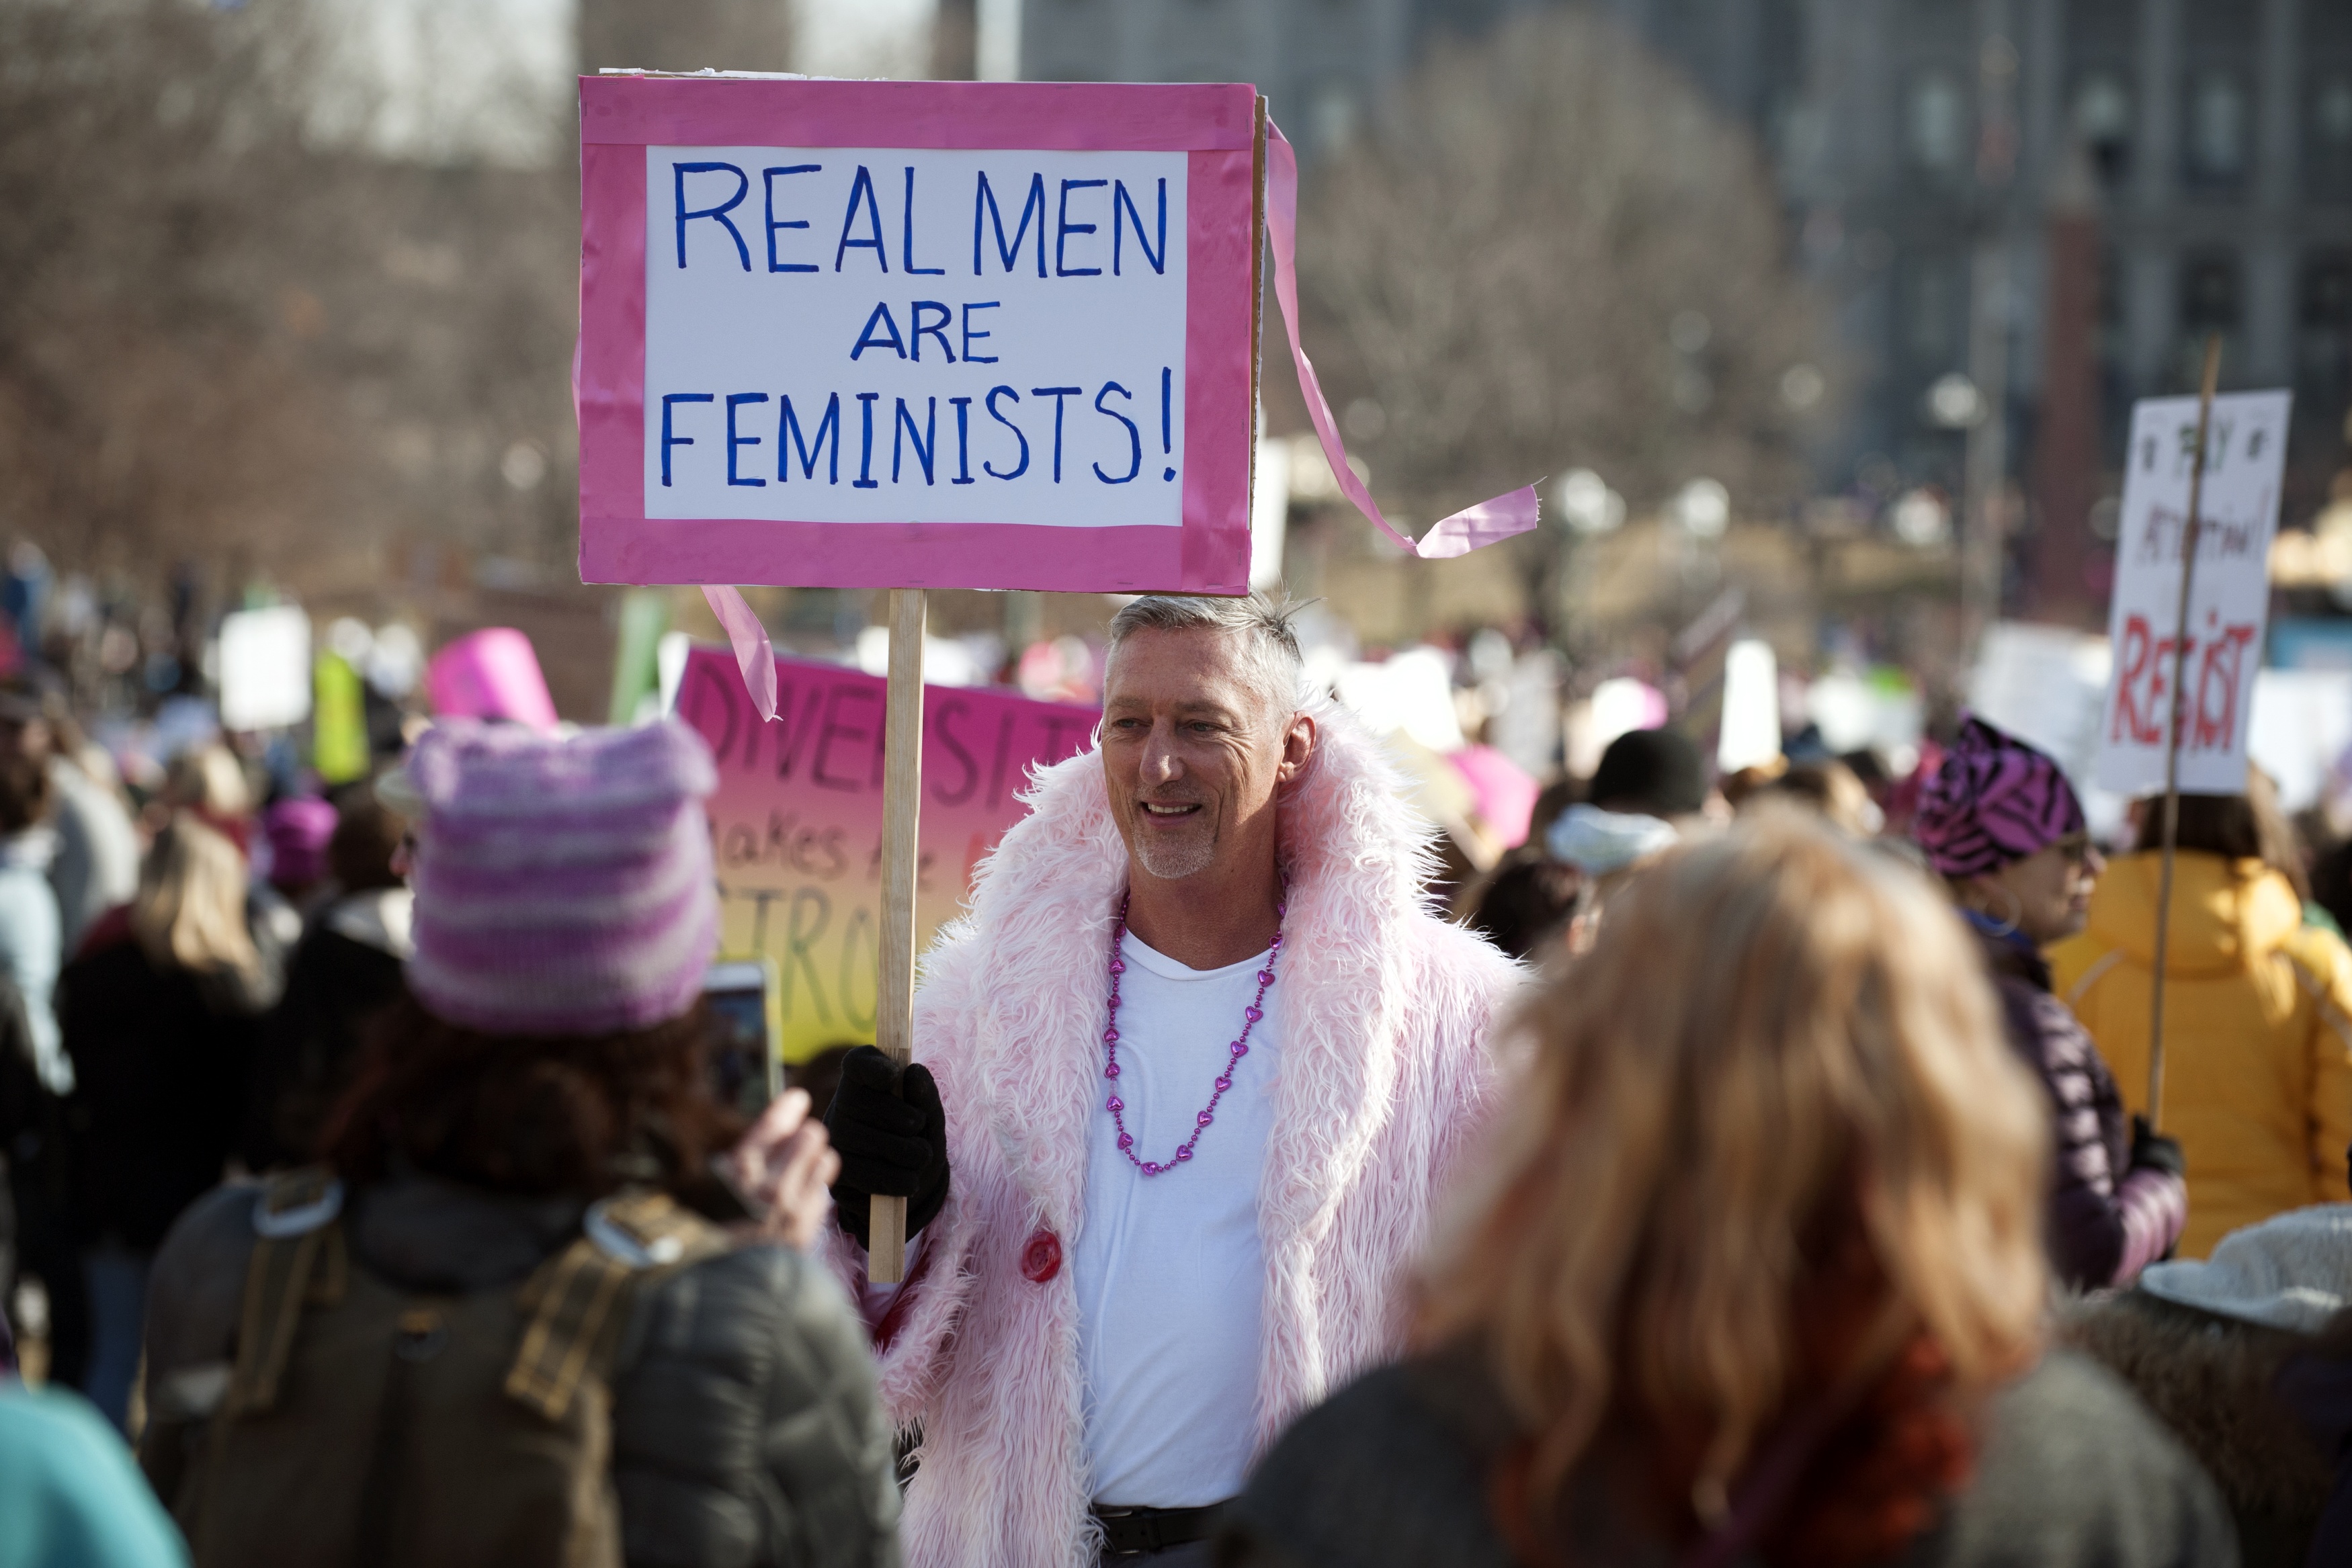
{"x":902,"y":786}
{"x":2172,"y":736}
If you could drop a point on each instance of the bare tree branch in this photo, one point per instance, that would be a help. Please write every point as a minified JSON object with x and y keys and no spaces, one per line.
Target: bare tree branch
{"x":1549,"y":254}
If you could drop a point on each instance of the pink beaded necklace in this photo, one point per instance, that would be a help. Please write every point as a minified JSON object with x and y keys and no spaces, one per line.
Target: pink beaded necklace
{"x":1239,"y":1048}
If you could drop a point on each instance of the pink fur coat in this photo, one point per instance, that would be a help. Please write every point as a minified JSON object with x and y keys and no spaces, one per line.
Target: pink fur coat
{"x":1384,"y":1079}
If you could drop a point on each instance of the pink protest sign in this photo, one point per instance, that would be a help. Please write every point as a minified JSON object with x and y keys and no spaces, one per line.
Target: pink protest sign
{"x":490,"y":673}
{"x":796,"y":824}
{"x":918,"y":334}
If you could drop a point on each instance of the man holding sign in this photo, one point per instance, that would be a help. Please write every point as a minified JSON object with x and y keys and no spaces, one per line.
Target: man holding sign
{"x":1193,"y":1069}
{"x":1188,"y":1079}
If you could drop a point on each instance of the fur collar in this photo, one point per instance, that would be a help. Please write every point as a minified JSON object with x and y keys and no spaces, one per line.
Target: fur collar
{"x":2211,"y":1380}
{"x":1039,"y":929}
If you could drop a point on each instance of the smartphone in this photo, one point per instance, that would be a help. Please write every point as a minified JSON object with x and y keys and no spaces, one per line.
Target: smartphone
{"x":745,"y":1008}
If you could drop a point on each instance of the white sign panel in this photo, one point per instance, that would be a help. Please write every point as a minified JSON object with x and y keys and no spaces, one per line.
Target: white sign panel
{"x":915,"y":335}
{"x":2302,"y":724}
{"x":2245,"y":456}
{"x":1751,"y":733}
{"x":264,"y":668}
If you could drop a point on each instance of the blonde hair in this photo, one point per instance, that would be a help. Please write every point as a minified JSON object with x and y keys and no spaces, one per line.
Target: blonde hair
{"x":1775,"y":1028}
{"x":209,"y":779}
{"x":189,"y":911}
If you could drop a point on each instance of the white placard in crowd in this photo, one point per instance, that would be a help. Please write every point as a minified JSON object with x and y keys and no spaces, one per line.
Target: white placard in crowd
{"x":1750,"y":734}
{"x":2045,"y":686}
{"x":264,"y":668}
{"x":2245,"y":453}
{"x":2302,"y":725}
{"x":1269,"y":512}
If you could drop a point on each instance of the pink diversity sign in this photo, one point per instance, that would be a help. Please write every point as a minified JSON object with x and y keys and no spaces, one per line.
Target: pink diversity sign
{"x":796,"y":823}
{"x":918,"y":334}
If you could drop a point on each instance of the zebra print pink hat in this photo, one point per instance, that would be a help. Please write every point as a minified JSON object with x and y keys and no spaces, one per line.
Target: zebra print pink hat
{"x":1995,"y":799}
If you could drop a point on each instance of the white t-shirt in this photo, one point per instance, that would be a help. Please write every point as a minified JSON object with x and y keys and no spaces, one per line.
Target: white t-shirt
{"x":1170,"y":1275}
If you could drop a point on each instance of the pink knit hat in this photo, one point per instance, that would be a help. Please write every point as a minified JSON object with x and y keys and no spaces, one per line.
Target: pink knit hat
{"x":562,"y":887}
{"x":298,"y":830}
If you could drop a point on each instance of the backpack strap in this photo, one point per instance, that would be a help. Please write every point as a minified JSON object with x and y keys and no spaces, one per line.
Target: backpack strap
{"x":576,"y":1301}
{"x":299,"y":1259}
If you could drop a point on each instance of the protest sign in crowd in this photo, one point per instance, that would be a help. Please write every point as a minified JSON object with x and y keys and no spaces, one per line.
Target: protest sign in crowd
{"x":1204,"y":1105}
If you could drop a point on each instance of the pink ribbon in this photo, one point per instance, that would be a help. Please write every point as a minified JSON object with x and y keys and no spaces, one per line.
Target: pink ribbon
{"x":753,"y":655}
{"x":1466,"y":529}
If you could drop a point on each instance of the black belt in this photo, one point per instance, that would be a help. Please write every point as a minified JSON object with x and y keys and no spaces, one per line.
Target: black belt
{"x":1140,"y":1532}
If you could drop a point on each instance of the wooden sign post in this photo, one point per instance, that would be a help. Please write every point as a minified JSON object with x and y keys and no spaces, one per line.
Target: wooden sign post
{"x":2172,"y":731}
{"x":902,"y":788}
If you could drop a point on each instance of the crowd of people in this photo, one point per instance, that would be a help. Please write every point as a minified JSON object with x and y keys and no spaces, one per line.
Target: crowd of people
{"x":177,"y":1001}
{"x":1753,"y":1174}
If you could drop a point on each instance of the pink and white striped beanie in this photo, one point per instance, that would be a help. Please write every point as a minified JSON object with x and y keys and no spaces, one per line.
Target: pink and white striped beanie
{"x":562,"y":887}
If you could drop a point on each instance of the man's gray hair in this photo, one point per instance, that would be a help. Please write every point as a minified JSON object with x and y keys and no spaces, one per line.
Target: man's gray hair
{"x":1269,"y":645}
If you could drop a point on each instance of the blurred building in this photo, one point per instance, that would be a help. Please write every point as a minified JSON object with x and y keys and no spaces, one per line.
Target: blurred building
{"x":1318,"y":64}
{"x":2058,"y":198}
{"x":2101,"y":183}
{"x":1321,"y":63}
{"x":684,"y":34}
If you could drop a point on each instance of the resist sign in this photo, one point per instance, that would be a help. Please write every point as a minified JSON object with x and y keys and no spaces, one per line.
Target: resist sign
{"x":2245,"y":456}
{"x":871,"y":334}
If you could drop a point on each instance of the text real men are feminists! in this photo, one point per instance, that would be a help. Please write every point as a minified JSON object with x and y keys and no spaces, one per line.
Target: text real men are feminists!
{"x":804,"y":437}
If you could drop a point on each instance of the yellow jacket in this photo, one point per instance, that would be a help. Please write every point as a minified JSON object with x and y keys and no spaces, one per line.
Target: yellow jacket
{"x":2257,"y":1031}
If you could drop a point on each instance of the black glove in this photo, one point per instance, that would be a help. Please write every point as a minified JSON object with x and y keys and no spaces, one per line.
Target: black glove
{"x":2152,"y":1148}
{"x":888,"y":1144}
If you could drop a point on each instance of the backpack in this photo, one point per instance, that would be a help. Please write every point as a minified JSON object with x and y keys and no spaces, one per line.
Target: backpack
{"x":368,"y":1427}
